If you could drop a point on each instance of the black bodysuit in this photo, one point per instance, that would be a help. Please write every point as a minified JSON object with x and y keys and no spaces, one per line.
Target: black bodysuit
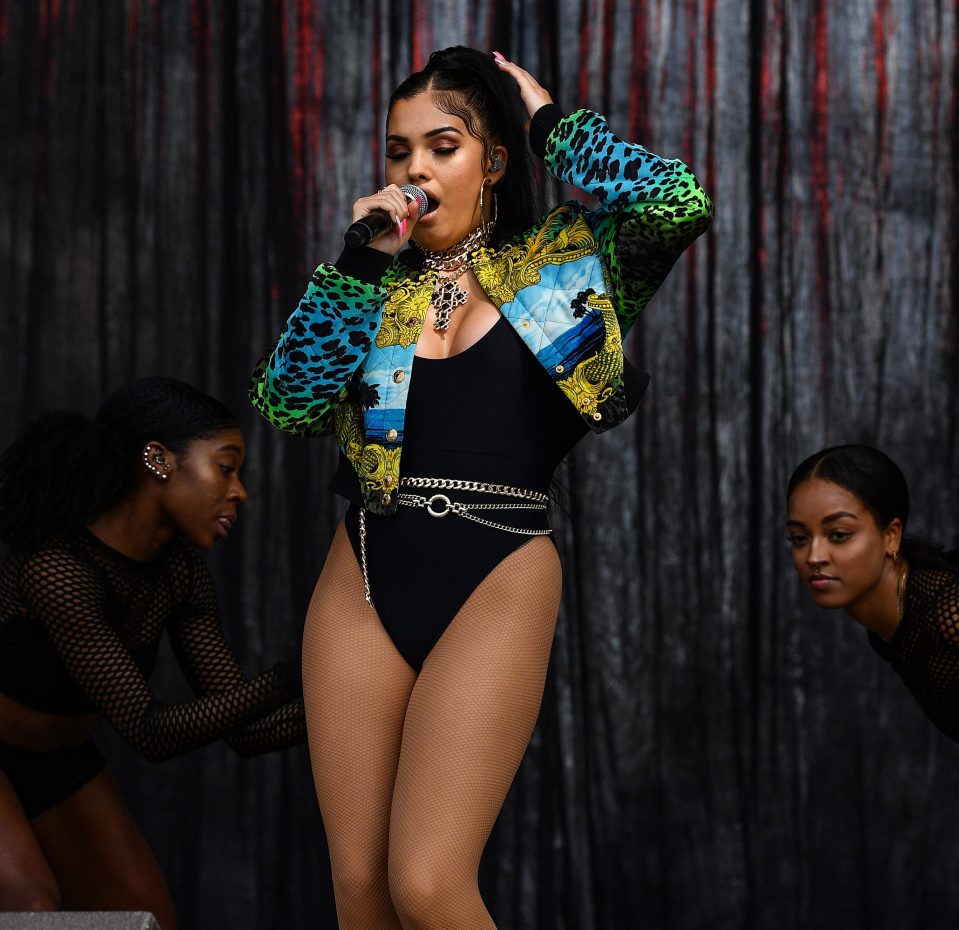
{"x":490,"y":413}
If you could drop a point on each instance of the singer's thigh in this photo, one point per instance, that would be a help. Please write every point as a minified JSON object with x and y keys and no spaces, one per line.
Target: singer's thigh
{"x":356,"y":687}
{"x":467,"y":727}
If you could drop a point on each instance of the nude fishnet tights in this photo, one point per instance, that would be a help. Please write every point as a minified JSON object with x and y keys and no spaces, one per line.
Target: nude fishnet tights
{"x":410,"y":771}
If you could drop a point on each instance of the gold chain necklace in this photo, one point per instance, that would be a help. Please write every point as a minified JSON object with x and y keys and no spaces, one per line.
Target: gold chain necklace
{"x":450,"y":265}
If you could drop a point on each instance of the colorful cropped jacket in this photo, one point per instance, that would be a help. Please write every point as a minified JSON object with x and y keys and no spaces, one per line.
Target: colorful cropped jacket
{"x":571,"y":286}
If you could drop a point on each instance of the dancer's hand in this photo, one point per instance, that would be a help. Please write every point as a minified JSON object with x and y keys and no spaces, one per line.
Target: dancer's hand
{"x":403,"y":213}
{"x":534,"y":96}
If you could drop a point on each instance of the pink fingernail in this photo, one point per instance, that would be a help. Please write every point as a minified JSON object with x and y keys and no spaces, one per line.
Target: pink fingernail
{"x":499,"y":56}
{"x":402,"y":225}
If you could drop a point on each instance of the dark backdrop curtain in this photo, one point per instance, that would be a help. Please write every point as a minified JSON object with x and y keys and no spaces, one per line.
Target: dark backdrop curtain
{"x":713,"y":751}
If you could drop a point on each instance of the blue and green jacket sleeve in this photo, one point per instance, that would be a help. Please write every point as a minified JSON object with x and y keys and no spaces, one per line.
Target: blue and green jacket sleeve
{"x":650,"y":208}
{"x":298,"y":384}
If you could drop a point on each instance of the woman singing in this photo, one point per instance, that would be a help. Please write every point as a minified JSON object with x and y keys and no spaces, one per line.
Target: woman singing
{"x":104,"y":517}
{"x":847,"y":513}
{"x":479,"y":356}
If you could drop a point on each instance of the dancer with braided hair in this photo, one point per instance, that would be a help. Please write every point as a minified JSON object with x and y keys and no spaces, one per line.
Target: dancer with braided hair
{"x":104,"y":517}
{"x":480,"y":357}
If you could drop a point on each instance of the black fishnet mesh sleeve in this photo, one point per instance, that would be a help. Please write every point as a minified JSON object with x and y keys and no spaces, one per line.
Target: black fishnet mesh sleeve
{"x":70,"y":600}
{"x":210,"y":666}
{"x":925,"y":651}
{"x":284,"y":727}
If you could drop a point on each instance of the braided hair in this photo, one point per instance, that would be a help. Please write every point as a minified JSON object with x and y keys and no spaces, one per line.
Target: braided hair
{"x":466,"y":83}
{"x":879,"y":483}
{"x":64,"y":469}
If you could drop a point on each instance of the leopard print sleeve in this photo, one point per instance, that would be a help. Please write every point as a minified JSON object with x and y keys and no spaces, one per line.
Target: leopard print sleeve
{"x":651,"y":208}
{"x":297,"y":385}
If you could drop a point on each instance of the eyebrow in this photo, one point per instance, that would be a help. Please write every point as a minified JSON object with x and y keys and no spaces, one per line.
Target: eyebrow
{"x":229,"y":447}
{"x":426,"y":135}
{"x":839,"y":514}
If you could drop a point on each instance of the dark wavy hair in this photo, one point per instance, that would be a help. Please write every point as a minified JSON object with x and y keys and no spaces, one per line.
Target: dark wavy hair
{"x":881,"y":486}
{"x":64,"y":469}
{"x":466,"y":83}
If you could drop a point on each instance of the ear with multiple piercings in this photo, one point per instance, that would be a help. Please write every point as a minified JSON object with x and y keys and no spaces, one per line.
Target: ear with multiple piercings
{"x":159,"y":466}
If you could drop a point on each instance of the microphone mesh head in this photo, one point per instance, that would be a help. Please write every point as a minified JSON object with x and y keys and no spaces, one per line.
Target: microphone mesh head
{"x":417,"y":196}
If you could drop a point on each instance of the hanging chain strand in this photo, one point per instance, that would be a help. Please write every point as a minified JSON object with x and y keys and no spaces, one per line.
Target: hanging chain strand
{"x":450,"y":265}
{"x":539,"y":501}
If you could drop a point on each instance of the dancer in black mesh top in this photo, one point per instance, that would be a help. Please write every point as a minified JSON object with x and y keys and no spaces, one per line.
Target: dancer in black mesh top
{"x":847,"y":513}
{"x":104,"y":518}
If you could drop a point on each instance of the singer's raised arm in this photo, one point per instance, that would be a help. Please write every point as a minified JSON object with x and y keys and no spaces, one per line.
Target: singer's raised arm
{"x":297,"y":384}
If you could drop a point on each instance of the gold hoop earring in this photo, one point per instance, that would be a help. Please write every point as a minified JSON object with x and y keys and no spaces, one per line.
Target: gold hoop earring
{"x":488,"y":225}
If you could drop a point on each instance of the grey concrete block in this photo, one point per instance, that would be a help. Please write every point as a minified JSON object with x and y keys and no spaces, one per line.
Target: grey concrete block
{"x":79,"y":920}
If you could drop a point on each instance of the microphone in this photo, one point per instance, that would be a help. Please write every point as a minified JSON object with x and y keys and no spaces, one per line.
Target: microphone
{"x":374,"y":224}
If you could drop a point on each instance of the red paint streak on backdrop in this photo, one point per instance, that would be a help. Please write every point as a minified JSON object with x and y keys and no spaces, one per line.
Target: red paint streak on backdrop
{"x":419,"y":34}
{"x":376,"y":78}
{"x":318,"y":74}
{"x":771,"y":123}
{"x":609,"y":32}
{"x":300,"y":111}
{"x":585,"y":38}
{"x":819,"y":157}
{"x":882,"y":87}
{"x":132,"y":23}
{"x":639,"y":76}
{"x":709,"y":161}
{"x":689,"y":102}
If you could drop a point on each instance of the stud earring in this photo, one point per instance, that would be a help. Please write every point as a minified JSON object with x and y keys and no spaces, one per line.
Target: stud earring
{"x":496,"y":163}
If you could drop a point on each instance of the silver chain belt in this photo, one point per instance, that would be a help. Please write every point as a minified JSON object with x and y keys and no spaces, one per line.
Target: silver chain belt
{"x":439,"y":505}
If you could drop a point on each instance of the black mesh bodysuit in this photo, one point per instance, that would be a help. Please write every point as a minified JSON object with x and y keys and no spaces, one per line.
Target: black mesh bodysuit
{"x":80,"y":626}
{"x":924,"y":650}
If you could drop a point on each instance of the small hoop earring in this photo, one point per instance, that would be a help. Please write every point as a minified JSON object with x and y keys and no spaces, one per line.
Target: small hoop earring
{"x":488,"y":225}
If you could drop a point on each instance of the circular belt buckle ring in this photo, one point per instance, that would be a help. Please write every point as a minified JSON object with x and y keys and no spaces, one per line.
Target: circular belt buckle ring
{"x":444,"y":500}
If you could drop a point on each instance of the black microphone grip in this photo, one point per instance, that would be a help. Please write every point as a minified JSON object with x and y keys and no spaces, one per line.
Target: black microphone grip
{"x":377,"y":222}
{"x":365,"y":230}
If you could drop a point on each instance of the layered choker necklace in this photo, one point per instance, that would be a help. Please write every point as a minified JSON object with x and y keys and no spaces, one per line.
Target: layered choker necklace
{"x":450,"y":265}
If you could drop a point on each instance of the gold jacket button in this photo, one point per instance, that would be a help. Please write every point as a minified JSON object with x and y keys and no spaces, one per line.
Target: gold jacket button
{"x":525,"y":324}
{"x":597,"y":416}
{"x":391,"y":435}
{"x":399,"y":375}
{"x":387,"y":481}
{"x":560,"y":369}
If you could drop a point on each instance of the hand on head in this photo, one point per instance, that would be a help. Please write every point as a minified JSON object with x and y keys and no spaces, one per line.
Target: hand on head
{"x":533,"y":94}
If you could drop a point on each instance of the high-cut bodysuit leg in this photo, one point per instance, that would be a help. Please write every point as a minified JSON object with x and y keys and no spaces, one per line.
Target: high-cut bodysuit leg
{"x":492,"y":414}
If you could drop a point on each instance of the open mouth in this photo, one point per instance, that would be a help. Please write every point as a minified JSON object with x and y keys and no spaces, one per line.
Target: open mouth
{"x":432,"y":204}
{"x":225,"y":524}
